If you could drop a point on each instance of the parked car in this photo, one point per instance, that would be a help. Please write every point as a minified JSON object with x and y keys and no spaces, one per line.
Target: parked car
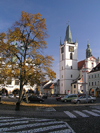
{"x":11,"y":96}
{"x":34,"y":98}
{"x":59,"y":98}
{"x":17,"y":96}
{"x":69,"y":97}
{"x":3,"y":95}
{"x":44,"y":96}
{"x":84,"y":99}
{"x":81,"y":95}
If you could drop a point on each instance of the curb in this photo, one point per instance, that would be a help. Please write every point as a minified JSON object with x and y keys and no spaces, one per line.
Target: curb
{"x":48,"y":105}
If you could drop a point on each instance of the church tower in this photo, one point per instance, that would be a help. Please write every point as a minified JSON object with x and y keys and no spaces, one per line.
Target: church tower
{"x":68,"y":63}
{"x":88,"y":51}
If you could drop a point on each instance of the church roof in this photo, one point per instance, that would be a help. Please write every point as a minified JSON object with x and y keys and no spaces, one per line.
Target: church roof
{"x":80,"y":64}
{"x":68,"y":36}
{"x":49,"y":86}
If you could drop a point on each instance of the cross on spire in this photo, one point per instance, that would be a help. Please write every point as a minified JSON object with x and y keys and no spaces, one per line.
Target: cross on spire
{"x":68,"y":23}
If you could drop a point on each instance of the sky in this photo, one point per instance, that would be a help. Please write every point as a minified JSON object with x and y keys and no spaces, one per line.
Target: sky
{"x":82,"y":15}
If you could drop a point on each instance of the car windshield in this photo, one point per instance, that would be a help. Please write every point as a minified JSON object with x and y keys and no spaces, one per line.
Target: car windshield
{"x":66,"y":96}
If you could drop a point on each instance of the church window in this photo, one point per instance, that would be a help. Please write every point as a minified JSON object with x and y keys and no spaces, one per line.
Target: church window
{"x":62,"y":56}
{"x":71,"y":67}
{"x":62,"y":50}
{"x":71,"y":56}
{"x":92,"y":64}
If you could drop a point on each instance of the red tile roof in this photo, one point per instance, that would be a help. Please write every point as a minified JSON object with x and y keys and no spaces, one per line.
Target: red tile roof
{"x":80,"y":64}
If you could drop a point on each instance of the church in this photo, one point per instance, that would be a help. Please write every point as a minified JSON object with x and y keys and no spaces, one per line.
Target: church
{"x":74,"y":74}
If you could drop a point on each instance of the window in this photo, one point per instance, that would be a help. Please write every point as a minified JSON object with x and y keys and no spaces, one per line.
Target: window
{"x":16,"y":82}
{"x":89,"y":83}
{"x":62,"y":56}
{"x":95,"y":83}
{"x":71,"y":56}
{"x":92,"y":64}
{"x":98,"y":82}
{"x":62,"y":50}
{"x":71,"y":67}
{"x":92,"y":76}
{"x":8,"y":81}
{"x":71,"y":75}
{"x":92,"y":83}
{"x":89,"y":77}
{"x":74,"y":86}
{"x":95,"y":76}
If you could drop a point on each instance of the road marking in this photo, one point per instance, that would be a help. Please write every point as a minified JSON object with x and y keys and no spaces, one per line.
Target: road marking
{"x":91,"y":113}
{"x":98,"y":111}
{"x":80,"y":113}
{"x":69,"y":114}
{"x":63,"y":131}
{"x":27,"y":125}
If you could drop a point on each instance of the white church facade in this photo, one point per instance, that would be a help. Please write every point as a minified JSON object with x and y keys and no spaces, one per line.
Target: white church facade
{"x":74,"y":74}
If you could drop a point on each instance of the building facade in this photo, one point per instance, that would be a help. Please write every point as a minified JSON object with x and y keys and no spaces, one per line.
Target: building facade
{"x":94,"y":81}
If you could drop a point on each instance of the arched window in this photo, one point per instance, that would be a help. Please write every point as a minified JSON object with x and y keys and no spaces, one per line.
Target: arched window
{"x":71,"y":56}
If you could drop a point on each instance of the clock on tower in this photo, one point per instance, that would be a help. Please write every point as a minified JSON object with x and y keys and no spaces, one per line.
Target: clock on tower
{"x":71,"y":49}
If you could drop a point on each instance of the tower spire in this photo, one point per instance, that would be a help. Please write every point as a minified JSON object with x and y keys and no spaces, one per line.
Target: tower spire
{"x":68,"y":36}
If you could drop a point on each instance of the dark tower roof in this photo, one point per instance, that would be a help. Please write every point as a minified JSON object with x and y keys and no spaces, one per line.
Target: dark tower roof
{"x":68,"y":36}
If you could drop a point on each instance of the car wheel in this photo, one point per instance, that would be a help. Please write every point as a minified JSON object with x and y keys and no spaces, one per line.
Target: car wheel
{"x":40,"y":101}
{"x":78,"y":102}
{"x":92,"y":101}
{"x":65,"y":101}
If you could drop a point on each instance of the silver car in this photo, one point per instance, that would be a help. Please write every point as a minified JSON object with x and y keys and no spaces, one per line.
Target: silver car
{"x":84,"y":99}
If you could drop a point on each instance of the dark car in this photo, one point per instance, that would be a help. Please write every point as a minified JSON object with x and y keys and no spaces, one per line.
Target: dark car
{"x":45,"y":96}
{"x":34,"y":98}
{"x":59,"y":98}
